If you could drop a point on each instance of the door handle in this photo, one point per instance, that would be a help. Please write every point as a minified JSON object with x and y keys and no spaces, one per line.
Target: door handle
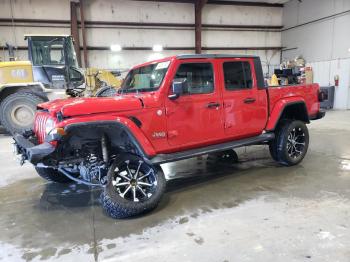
{"x":213,"y":105}
{"x":249,"y":100}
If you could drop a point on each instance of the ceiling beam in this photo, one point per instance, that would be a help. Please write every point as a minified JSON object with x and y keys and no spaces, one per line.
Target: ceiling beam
{"x":220,"y":2}
{"x":91,"y":24}
{"x":178,"y":48}
{"x":245,"y":3}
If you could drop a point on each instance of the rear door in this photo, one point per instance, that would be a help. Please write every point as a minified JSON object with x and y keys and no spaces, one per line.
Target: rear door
{"x":244,"y":110}
{"x":195,"y":118}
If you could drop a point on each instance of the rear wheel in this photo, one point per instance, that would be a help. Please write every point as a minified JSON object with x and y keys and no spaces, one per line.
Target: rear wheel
{"x":291,"y":142}
{"x":17,"y":111}
{"x":273,"y":152}
{"x":134,"y":187}
{"x":51,"y":174}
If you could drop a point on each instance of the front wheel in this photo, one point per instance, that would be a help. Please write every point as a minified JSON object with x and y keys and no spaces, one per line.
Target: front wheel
{"x":291,"y":142}
{"x":134,"y":187}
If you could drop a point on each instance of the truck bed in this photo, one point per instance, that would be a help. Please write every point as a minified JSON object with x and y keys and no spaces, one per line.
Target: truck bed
{"x":307,"y":92}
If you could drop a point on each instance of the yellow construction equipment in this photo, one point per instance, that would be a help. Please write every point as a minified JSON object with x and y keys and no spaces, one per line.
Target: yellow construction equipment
{"x":51,"y":72}
{"x":102,"y":82}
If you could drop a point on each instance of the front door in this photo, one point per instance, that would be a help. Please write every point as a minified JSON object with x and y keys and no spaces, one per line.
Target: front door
{"x":195,"y":118}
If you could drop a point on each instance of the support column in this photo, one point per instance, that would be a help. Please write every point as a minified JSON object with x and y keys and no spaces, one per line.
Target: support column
{"x":198,"y":6}
{"x":83,"y":33}
{"x":75,"y":30}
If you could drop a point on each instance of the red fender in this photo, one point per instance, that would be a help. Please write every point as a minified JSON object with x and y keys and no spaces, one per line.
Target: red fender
{"x":139,"y":135}
{"x":278,"y":108}
{"x":134,"y":131}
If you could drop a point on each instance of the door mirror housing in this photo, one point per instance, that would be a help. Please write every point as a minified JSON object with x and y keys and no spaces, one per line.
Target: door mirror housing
{"x":177,"y":88}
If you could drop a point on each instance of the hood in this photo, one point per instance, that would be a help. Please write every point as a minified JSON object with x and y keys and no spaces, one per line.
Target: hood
{"x":92,"y":105}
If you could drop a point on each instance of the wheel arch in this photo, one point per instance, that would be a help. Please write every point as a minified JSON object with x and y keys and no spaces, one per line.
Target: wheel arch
{"x":288,"y":109}
{"x":115,"y":130}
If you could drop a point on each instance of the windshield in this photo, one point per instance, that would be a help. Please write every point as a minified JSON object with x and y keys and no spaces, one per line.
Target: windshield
{"x":145,"y":79}
{"x":48,"y":51}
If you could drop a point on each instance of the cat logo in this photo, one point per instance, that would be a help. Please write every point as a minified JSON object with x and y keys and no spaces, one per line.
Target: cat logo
{"x":19,"y":73}
{"x":161,"y":134}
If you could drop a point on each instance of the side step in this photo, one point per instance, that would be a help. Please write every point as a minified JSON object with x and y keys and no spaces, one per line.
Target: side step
{"x":165,"y":158}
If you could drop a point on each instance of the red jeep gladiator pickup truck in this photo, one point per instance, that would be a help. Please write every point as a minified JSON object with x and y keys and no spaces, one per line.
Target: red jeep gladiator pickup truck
{"x":167,"y":110}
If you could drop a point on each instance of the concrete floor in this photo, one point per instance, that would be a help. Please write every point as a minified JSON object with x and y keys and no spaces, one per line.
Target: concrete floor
{"x":253,"y":211}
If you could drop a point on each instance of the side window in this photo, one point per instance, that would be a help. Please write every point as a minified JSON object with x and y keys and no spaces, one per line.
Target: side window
{"x":199,"y":77}
{"x":237,"y":75}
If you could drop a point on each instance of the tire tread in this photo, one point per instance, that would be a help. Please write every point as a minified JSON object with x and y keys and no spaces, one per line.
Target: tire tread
{"x":34,"y":98}
{"x":118,"y":207}
{"x":276,"y":147}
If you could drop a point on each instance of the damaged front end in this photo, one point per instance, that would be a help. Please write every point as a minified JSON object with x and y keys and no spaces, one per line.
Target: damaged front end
{"x":83,"y":152}
{"x":87,"y":164}
{"x":27,"y":148}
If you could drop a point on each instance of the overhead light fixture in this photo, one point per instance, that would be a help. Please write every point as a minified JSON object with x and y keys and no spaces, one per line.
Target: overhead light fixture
{"x":116,"y":48}
{"x":157,"y":48}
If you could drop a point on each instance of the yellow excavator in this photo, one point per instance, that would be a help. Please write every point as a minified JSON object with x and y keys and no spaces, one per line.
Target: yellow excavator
{"x":51,"y":72}
{"x":102,"y":82}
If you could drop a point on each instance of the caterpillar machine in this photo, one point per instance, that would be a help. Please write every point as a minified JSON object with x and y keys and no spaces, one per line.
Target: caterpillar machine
{"x":51,"y":72}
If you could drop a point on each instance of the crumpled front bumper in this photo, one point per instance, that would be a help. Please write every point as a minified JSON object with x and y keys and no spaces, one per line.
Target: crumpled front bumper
{"x":31,"y":152}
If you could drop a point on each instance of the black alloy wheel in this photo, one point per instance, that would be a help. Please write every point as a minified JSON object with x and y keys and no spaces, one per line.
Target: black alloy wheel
{"x":291,"y":142}
{"x":296,"y":142}
{"x":135,"y":181}
{"x":133,"y":187}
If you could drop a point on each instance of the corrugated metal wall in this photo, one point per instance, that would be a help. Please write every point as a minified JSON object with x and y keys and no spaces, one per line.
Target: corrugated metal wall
{"x":319,"y":31}
{"x":147,"y":12}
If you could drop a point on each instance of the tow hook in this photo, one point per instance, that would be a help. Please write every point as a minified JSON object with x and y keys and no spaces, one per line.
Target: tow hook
{"x":20,"y":158}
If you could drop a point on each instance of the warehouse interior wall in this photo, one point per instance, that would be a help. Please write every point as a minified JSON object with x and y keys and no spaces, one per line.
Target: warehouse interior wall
{"x":100,"y":36}
{"x":318,"y":30}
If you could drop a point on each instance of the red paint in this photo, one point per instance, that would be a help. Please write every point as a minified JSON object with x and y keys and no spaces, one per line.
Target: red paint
{"x":84,"y":106}
{"x":282,"y":96}
{"x":242,"y":119}
{"x":186,"y":121}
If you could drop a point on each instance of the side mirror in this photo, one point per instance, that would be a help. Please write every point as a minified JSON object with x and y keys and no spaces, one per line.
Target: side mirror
{"x":177,"y":88}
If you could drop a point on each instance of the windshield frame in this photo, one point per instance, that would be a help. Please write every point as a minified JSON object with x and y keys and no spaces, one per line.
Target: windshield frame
{"x":125,"y":89}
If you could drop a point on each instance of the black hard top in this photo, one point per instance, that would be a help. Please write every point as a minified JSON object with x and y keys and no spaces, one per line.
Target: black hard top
{"x":214,"y":56}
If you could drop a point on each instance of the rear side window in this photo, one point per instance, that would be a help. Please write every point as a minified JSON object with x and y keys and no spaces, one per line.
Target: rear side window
{"x":199,"y":77}
{"x":237,"y":75}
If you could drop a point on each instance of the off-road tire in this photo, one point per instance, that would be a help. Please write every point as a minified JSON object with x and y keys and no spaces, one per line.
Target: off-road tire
{"x":272,"y":149}
{"x":118,"y":207}
{"x":30,"y":100}
{"x":279,"y":146}
{"x":53,"y":175}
